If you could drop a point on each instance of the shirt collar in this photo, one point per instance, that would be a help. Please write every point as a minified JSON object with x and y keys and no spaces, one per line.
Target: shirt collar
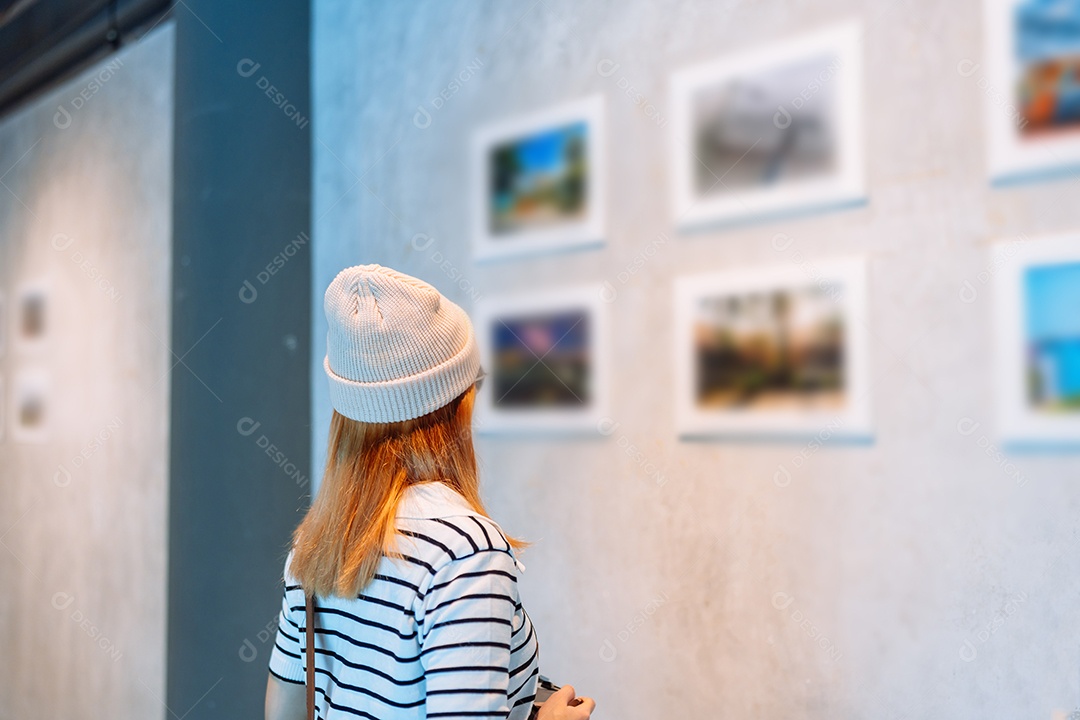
{"x":438,"y":500}
{"x":432,"y":500}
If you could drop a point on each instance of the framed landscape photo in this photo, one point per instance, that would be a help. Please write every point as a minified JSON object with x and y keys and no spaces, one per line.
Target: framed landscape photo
{"x":546,"y":361}
{"x":30,"y":411}
{"x":1037,"y":310}
{"x":1030,"y":80}
{"x":30,"y":326}
{"x":772,"y":131}
{"x":539,"y":182}
{"x":776,"y":352}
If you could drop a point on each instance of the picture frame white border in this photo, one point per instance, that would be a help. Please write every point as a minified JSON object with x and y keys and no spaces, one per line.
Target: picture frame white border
{"x":590,"y":231}
{"x":1009,"y":159}
{"x":491,"y":420}
{"x":852,"y":423}
{"x":844,"y":188}
{"x":1019,"y":425}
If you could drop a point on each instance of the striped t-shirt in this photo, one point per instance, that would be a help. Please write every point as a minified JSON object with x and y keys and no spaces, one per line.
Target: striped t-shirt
{"x":439,"y":634}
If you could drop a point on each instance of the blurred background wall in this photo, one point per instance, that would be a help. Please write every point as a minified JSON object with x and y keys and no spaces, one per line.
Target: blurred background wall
{"x":155,"y":205}
{"x":911,"y":576}
{"x":85,"y":218}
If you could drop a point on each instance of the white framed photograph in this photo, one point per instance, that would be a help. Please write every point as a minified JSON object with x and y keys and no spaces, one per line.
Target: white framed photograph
{"x":1030,"y":92}
{"x":546,"y":359}
{"x":772,"y":131}
{"x":539,"y":182}
{"x":774,"y":352}
{"x":1037,"y":337}
{"x":30,"y":321}
{"x":30,"y":406}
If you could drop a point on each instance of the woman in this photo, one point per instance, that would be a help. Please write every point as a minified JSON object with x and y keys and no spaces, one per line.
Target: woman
{"x":416,"y":607}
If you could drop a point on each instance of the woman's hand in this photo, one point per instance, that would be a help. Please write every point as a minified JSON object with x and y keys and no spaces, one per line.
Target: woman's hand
{"x":563,"y":705}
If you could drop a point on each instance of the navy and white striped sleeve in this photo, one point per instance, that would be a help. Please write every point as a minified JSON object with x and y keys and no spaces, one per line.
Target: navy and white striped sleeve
{"x":287,"y":656}
{"x":467,"y":622}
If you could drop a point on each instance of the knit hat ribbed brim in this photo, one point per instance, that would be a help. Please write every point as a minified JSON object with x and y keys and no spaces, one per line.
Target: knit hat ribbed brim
{"x":396,"y":349}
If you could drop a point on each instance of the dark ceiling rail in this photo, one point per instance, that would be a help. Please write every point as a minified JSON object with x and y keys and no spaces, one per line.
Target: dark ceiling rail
{"x":43,"y":42}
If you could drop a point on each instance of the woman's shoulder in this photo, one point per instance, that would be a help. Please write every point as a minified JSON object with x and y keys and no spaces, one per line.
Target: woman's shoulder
{"x":286,"y":574}
{"x":457,"y":536}
{"x":443,"y":522}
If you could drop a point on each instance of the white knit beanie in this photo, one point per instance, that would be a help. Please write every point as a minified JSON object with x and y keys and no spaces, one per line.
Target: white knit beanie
{"x":396,"y":349}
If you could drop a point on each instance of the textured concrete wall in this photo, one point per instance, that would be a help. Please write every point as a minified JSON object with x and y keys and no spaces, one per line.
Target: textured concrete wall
{"x":239,"y":424}
{"x":899,"y":558}
{"x":85,"y":207}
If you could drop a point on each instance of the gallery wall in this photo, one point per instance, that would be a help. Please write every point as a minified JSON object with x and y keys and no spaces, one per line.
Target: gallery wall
{"x":916,"y":572}
{"x":85,"y":267}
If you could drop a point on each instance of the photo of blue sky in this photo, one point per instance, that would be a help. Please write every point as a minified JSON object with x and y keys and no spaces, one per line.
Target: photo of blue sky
{"x":1047,"y":28}
{"x":1052,"y":335}
{"x":546,"y":153}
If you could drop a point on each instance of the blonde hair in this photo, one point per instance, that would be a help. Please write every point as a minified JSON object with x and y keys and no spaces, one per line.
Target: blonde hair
{"x":351,"y":522}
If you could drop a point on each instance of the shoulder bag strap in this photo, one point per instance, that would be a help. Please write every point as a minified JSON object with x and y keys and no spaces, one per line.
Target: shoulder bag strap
{"x":310,"y":633}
